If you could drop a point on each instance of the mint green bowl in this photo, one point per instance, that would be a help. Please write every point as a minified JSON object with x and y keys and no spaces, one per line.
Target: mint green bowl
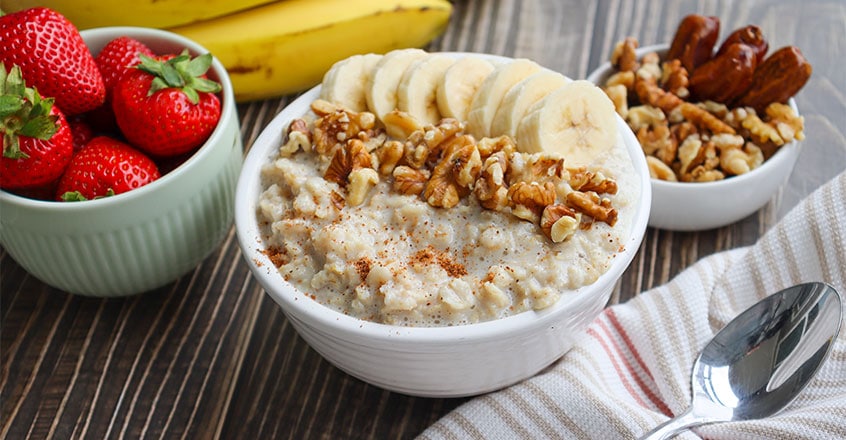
{"x":145,"y":238}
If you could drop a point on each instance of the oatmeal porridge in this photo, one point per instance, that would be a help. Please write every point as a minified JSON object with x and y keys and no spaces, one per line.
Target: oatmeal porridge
{"x":439,"y":228}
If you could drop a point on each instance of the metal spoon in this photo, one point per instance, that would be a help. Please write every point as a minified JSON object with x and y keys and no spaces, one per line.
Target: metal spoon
{"x":762,"y":359}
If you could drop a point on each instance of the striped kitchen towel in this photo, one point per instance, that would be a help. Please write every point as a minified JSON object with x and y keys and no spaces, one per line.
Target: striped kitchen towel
{"x":630,"y":371}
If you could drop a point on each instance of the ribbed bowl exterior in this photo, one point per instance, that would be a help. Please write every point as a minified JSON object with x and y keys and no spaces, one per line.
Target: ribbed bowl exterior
{"x":142,"y":239}
{"x":105,"y":252}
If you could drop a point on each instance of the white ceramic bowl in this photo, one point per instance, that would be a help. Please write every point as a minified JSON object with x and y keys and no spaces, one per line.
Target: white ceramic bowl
{"x":684,"y":206}
{"x":436,"y":362}
{"x":142,"y":239}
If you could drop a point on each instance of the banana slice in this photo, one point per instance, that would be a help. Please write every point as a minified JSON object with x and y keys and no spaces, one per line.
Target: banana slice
{"x":522,"y":96}
{"x":577,"y":121}
{"x":382,"y":86}
{"x":459,"y":84}
{"x":345,"y":82}
{"x":417,"y":91}
{"x":487,"y":99}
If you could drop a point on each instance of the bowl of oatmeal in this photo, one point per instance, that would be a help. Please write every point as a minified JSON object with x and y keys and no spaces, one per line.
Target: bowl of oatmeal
{"x":712,"y":163}
{"x":427,"y":292}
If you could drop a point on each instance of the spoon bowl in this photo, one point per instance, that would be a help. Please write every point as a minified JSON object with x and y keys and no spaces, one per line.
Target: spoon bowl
{"x":761,"y":360}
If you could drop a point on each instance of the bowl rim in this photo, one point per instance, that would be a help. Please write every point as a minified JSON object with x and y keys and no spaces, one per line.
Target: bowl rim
{"x":228,"y":111}
{"x":292,"y":301}
{"x":783,"y":153}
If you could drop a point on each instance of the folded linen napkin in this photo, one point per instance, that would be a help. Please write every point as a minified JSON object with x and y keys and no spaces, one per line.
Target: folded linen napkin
{"x":630,"y":371}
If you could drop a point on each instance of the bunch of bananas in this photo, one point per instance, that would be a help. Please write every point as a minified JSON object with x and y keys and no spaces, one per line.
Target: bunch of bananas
{"x":271,"y":47}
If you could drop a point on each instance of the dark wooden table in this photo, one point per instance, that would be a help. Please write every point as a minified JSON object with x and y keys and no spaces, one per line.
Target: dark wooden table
{"x":211,"y":356}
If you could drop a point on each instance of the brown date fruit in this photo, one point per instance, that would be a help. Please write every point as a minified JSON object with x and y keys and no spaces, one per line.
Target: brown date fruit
{"x":724,"y":77}
{"x":751,"y":36}
{"x":777,"y":79}
{"x":694,"y":41}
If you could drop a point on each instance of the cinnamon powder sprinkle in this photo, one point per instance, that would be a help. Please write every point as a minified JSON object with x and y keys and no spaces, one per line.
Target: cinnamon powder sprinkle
{"x":430,"y":255}
{"x":362,"y":266}
{"x":277,"y":256}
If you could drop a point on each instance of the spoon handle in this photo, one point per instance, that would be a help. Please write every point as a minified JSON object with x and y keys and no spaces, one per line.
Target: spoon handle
{"x":674,"y":426}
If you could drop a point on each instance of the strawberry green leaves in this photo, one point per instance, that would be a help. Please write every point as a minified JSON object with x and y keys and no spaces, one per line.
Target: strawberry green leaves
{"x":181,"y":72}
{"x":23,"y":112}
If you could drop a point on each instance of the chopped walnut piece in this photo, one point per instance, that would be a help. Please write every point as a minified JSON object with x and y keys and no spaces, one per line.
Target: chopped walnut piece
{"x":660,"y":170}
{"x":693,"y":152}
{"x":650,"y":69}
{"x":623,"y":57}
{"x":441,"y":192}
{"x":334,"y":129}
{"x":559,"y":222}
{"x":360,"y":182}
{"x":543,"y":168}
{"x":704,"y":120}
{"x":760,"y":131}
{"x":488,"y":146}
{"x":299,"y":138}
{"x":789,"y":125}
{"x":674,"y":78}
{"x":625,"y":79}
{"x":741,"y":160}
{"x":725,"y":141}
{"x":682,"y":130}
{"x":591,"y":204}
{"x":352,"y":156}
{"x":337,"y":200}
{"x":703,"y":174}
{"x":652,"y":94}
{"x":619,"y":96}
{"x":643,"y":116}
{"x":322,"y":107}
{"x":490,"y":188}
{"x":400,"y":124}
{"x":718,"y":109}
{"x":466,"y":165}
{"x":427,"y":144}
{"x":389,"y":155}
{"x":528,"y":199}
{"x":583,"y":180}
{"x":409,"y":181}
{"x":373,"y":139}
{"x":453,"y":176}
{"x":658,"y":141}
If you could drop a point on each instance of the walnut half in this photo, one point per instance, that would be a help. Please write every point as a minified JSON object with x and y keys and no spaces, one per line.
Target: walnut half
{"x":559,"y":222}
{"x":352,"y":156}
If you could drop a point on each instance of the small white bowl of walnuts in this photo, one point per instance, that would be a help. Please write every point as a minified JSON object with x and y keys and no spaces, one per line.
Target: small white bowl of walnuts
{"x":717,"y":123}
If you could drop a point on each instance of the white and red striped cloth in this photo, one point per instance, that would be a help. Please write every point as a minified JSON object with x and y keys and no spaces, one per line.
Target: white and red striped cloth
{"x":631,"y":370}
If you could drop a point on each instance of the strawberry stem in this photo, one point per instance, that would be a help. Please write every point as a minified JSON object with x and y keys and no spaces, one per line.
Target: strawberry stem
{"x":76,"y":196}
{"x":23,"y":112}
{"x":181,"y":72}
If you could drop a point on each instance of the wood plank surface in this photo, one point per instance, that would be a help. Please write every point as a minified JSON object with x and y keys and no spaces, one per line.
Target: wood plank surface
{"x":212,"y":356}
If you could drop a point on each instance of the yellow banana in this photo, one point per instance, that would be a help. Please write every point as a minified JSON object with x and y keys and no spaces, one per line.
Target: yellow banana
{"x":85,"y":14}
{"x":287,"y":46}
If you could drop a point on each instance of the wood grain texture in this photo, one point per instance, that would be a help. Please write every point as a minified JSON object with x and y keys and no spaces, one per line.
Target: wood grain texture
{"x":211,"y":356}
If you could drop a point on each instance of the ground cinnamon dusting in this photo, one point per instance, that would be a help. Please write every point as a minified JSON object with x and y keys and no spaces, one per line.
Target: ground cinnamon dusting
{"x":277,"y":256}
{"x":362,"y":266}
{"x":430,"y":255}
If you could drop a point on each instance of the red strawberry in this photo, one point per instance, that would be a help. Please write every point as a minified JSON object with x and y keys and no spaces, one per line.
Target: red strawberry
{"x":116,"y":57}
{"x":81,"y":131}
{"x":105,"y":167}
{"x":166,"y":106}
{"x":53,"y":57}
{"x":37,"y":143}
